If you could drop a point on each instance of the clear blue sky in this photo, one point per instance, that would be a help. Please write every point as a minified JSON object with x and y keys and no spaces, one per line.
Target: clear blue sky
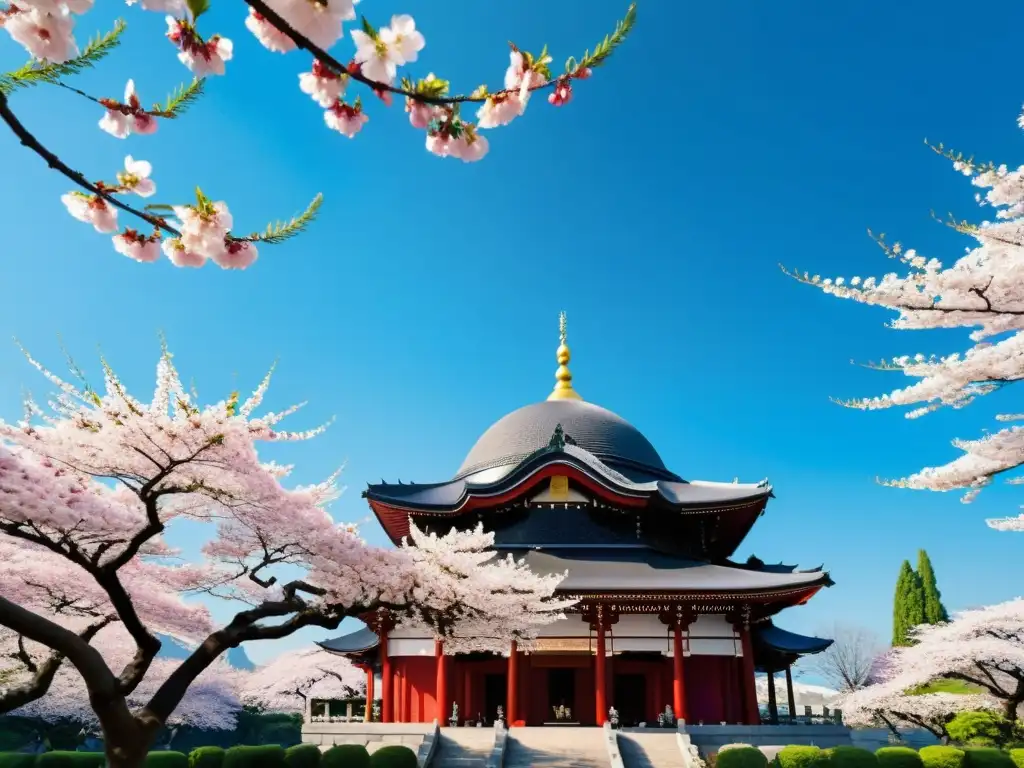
{"x":722,"y":139}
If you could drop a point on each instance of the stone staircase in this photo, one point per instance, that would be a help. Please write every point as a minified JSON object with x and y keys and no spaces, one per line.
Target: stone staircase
{"x":650,"y":750}
{"x":556,"y":748}
{"x":463,"y":748}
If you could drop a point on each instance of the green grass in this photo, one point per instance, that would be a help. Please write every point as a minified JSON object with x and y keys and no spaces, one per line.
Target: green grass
{"x":946,"y":686}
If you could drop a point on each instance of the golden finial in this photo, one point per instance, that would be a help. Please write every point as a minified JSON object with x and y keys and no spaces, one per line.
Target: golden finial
{"x":563,"y":378}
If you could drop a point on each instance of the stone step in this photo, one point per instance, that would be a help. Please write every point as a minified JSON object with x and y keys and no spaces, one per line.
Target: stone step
{"x":654,"y":750}
{"x":556,"y":748}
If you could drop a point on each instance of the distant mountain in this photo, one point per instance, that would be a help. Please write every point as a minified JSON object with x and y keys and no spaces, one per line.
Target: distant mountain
{"x":172,"y":649}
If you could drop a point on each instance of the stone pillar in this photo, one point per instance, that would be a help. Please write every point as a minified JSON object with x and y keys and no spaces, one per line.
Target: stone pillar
{"x":512,"y":705}
{"x":790,"y":699}
{"x":441,"y":690}
{"x":387,"y":682}
{"x":751,"y":713}
{"x":368,"y":715}
{"x":678,"y":679}
{"x":773,"y":706}
{"x":600,"y":673}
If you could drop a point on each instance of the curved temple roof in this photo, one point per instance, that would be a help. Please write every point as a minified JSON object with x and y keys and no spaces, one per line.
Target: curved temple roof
{"x":361,"y":640}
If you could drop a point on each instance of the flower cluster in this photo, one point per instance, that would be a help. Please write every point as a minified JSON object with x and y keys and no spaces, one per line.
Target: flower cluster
{"x":45,"y":27}
{"x":203,"y":57}
{"x":205,"y":235}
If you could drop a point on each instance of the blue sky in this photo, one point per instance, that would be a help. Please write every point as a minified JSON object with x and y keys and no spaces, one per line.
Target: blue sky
{"x":723,"y":138}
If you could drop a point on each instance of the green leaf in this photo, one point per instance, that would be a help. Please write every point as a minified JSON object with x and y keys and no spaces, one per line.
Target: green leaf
{"x":605,"y":48}
{"x":279,"y":232}
{"x":369,"y":30}
{"x":198,"y":7}
{"x":181,"y":98}
{"x":35,"y":72}
{"x":159,"y":207}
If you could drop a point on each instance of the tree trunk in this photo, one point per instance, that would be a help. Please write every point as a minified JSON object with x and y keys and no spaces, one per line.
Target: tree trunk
{"x":1010,"y":707}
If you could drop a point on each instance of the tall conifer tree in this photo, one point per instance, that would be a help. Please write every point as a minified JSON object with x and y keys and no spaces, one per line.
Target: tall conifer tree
{"x":908,"y":605}
{"x":934,"y":610}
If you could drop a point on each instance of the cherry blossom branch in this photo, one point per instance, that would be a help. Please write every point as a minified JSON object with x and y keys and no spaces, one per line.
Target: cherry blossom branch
{"x":303,"y":42}
{"x":28,"y":140}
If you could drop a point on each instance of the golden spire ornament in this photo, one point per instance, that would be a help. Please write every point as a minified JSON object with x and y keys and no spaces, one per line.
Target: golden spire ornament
{"x":563,"y":378}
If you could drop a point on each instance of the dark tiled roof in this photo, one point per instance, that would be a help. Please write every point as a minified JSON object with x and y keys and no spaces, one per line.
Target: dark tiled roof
{"x":354,"y":642}
{"x":630,"y":570}
{"x":609,"y":437}
{"x":783,"y":641}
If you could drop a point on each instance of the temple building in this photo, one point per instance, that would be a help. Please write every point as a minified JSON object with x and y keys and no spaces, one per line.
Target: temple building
{"x":664,"y":616}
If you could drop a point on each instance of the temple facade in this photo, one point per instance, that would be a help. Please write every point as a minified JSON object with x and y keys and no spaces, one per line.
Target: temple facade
{"x":664,"y":617}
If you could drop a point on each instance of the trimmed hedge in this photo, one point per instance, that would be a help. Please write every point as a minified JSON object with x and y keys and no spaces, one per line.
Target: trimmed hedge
{"x":71,"y":760}
{"x":345,"y":756}
{"x":17,"y":760}
{"x":206,"y":757}
{"x":899,"y":757}
{"x":302,"y":756}
{"x":943,"y":757}
{"x":741,"y":757}
{"x":853,"y":757}
{"x":166,"y":759}
{"x":1017,"y":755}
{"x":801,"y":757}
{"x":268,"y":756}
{"x":987,"y":757}
{"x":397,"y":756}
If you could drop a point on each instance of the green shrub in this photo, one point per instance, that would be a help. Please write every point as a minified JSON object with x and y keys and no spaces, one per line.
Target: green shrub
{"x":206,"y":757}
{"x":268,"y":756}
{"x":1017,"y":755}
{"x":62,"y":759}
{"x":742,"y":757}
{"x":166,"y":759}
{"x":852,"y":757}
{"x":345,"y":756}
{"x":983,"y":729}
{"x":397,"y":756}
{"x":17,"y":760}
{"x":300,"y":756}
{"x":987,"y":757}
{"x":801,"y":757}
{"x":899,"y":757}
{"x":943,"y":757}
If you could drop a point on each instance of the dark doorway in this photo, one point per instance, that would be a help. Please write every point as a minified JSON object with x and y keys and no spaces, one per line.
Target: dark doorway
{"x":630,"y":698}
{"x":495,"y":691}
{"x":562,"y":693}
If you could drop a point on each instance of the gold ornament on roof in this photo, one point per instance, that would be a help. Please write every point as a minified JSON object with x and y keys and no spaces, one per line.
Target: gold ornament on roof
{"x":563,"y":377}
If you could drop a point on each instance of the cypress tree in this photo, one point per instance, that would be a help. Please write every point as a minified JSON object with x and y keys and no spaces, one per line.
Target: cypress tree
{"x":908,"y":605}
{"x":934,"y":610}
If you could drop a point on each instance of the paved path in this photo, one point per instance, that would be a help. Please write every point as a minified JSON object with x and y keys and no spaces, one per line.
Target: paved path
{"x":463,"y":748}
{"x":650,"y":750}
{"x":556,"y":748}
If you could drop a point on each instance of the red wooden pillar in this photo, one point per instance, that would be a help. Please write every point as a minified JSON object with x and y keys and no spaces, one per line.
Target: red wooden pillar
{"x":469,"y":693}
{"x":387,"y":682}
{"x":600,"y":673}
{"x":403,"y":696}
{"x":678,"y":679}
{"x":751,"y":712}
{"x":368,"y":715}
{"x":512,"y":685}
{"x":441,"y":691}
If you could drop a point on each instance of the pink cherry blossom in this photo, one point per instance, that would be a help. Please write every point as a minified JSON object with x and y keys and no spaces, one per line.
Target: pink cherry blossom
{"x":562,"y":93}
{"x":500,"y":109}
{"x":519,"y":75}
{"x":179,"y":255}
{"x":91,"y":209}
{"x":124,"y":118}
{"x":294,"y":677}
{"x":138,"y":247}
{"x":236,"y":254}
{"x":202,"y":57}
{"x":420,"y":114}
{"x":135,"y":177}
{"x":324,"y":85}
{"x":469,"y":146}
{"x":320,"y":21}
{"x":269,"y":36}
{"x":204,"y":230}
{"x":346,"y":119}
{"x":379,"y":57}
{"x":45,"y":35}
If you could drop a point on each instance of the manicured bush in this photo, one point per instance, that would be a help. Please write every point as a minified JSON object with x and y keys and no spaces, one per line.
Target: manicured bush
{"x":301,"y":756}
{"x":851,"y":757}
{"x":983,"y":729}
{"x":17,"y":760}
{"x":898,"y":757}
{"x":987,"y":757}
{"x":269,"y":756}
{"x":741,"y":757}
{"x":1017,"y":755}
{"x":345,"y":756}
{"x":801,"y":757}
{"x":206,"y":757}
{"x":61,"y":759}
{"x":397,"y":756}
{"x":943,"y":757}
{"x":166,"y":759}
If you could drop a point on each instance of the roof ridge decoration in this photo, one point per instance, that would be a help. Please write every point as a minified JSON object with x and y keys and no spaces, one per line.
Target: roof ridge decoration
{"x":563,"y":377}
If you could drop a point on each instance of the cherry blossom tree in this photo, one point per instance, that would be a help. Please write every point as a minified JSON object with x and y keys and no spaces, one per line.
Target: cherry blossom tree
{"x":95,"y":479}
{"x":981,"y":290}
{"x":291,"y":680}
{"x":982,"y":647}
{"x":190,"y":235}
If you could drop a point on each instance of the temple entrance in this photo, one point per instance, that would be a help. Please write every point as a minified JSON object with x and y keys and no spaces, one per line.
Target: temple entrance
{"x":630,"y":698}
{"x":495,"y":692}
{"x":562,"y":695}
